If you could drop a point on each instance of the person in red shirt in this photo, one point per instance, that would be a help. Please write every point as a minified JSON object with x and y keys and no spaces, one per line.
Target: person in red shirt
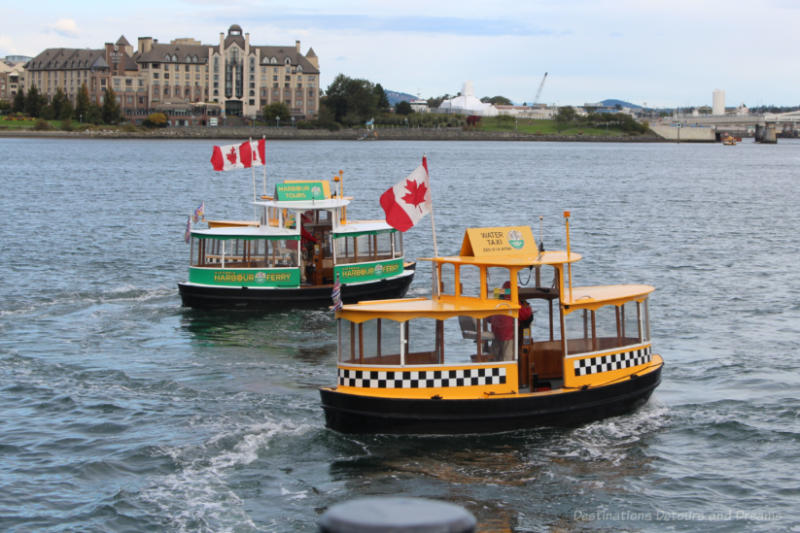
{"x":503,"y":329}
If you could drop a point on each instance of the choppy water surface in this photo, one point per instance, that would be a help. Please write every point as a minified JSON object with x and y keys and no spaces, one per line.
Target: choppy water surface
{"x":123,"y":411}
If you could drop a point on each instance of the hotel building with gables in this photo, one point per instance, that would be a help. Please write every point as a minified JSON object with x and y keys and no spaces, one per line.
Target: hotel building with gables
{"x":187,"y":80}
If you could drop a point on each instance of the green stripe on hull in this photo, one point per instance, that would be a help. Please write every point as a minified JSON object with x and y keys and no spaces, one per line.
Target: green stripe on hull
{"x":247,"y":277}
{"x":369,"y":271}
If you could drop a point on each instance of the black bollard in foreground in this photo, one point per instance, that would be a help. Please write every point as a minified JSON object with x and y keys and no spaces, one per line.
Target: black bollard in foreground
{"x":396,"y":515}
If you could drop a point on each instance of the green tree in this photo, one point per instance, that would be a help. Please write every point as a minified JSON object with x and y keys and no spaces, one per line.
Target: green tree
{"x":276,"y":110}
{"x":18,"y":105}
{"x":82,"y":104}
{"x":352,"y":101}
{"x":61,"y":106}
{"x":34,"y":102}
{"x":4,"y":107}
{"x":403,"y":108}
{"x":383,"y":101}
{"x":496,"y":100}
{"x":94,"y":114}
{"x":565,"y":116}
{"x":110,"y":111}
{"x":433,"y":103}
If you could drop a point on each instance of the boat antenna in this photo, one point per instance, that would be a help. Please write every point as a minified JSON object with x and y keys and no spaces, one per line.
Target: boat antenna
{"x":340,"y":180}
{"x":541,"y":234}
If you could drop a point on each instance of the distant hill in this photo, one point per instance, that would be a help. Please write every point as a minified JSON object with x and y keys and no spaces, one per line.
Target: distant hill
{"x":611,"y":102}
{"x":395,"y":96}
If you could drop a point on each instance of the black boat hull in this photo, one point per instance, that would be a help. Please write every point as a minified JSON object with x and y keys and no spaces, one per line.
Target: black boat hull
{"x":204,"y":296}
{"x":349,"y":413}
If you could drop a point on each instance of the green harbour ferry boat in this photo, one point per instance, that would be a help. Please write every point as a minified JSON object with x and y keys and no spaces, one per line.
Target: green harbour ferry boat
{"x":293,"y":254}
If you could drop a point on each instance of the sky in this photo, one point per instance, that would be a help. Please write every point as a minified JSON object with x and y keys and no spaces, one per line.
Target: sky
{"x":647,"y":52}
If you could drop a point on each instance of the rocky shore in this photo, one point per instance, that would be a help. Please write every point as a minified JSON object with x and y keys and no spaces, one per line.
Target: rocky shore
{"x":396,"y":134}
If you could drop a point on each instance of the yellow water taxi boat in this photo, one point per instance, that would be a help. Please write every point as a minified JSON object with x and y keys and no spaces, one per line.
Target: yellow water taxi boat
{"x":463,"y":361}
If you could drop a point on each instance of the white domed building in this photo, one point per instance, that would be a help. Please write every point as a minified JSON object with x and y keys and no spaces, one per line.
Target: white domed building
{"x":467,"y":104}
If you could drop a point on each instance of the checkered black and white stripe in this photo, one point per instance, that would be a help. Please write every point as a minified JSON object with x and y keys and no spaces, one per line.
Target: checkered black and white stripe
{"x":402,"y":379}
{"x":604,"y":363}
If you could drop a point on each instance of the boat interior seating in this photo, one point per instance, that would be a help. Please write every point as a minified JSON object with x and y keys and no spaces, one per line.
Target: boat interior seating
{"x":469,"y":329}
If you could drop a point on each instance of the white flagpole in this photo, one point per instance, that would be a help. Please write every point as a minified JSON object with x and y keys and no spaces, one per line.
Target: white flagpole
{"x":264,"y":138}
{"x":253,"y":172}
{"x":433,"y":232}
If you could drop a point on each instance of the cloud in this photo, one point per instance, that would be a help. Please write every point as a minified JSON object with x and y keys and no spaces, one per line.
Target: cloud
{"x":65,"y":28}
{"x":435,"y":25}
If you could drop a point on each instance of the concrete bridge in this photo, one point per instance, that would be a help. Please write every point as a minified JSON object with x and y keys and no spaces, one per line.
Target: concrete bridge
{"x":765,"y":128}
{"x":784,"y":123}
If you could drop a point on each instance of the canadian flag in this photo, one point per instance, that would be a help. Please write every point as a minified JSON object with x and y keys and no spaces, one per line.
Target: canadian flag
{"x":410,"y":200}
{"x":253,"y":153}
{"x":245,"y":155}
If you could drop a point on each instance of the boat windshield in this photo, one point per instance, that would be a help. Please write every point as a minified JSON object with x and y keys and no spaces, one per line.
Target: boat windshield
{"x":424,"y":341}
{"x":244,"y":253}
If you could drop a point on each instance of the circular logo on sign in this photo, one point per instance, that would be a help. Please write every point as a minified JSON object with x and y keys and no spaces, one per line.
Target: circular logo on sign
{"x":261,"y":277}
{"x":378,"y":269}
{"x":515,"y":239}
{"x":316,"y":192}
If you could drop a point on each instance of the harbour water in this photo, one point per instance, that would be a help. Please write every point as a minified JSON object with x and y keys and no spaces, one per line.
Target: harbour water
{"x":123,"y":411}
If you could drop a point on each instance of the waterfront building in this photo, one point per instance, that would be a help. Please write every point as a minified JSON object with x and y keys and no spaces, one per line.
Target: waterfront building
{"x":186,"y":79}
{"x":69,"y":69}
{"x":12,"y":71}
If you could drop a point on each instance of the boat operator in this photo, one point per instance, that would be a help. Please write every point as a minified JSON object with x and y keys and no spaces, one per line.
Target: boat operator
{"x":503,"y":327}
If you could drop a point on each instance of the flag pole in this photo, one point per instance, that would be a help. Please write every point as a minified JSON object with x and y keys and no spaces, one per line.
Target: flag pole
{"x":253,"y":172}
{"x":264,"y":138}
{"x":433,"y":232}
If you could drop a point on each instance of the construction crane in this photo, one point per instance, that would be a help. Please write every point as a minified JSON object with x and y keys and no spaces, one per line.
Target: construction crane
{"x":539,"y":90}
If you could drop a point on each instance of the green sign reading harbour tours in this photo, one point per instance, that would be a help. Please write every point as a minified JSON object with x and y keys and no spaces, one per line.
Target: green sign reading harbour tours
{"x":280,"y":277}
{"x":309,"y":190}
{"x":368,"y":271}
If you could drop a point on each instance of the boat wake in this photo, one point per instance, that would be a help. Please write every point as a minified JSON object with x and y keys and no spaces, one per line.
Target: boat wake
{"x":201,"y":494}
{"x":62,"y":302}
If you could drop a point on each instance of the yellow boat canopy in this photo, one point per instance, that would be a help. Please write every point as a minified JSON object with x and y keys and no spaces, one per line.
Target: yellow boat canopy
{"x":597,"y":296}
{"x":402,"y":310}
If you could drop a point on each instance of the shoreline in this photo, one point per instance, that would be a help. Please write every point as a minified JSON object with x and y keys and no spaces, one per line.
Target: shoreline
{"x":388,"y":134}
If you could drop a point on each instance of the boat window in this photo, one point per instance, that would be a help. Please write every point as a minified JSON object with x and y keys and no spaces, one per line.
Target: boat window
{"x":398,"y":243}
{"x":458,"y":340}
{"x":244,"y":253}
{"x":363,"y":248}
{"x":470,"y":280}
{"x":644,"y":309}
{"x":606,"y":328}
{"x":425,"y":342}
{"x":448,"y":280}
{"x":498,"y":283}
{"x":374,"y":342}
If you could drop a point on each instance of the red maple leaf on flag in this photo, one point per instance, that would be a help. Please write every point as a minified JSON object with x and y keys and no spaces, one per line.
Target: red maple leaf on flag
{"x":416,"y":193}
{"x":232,"y":156}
